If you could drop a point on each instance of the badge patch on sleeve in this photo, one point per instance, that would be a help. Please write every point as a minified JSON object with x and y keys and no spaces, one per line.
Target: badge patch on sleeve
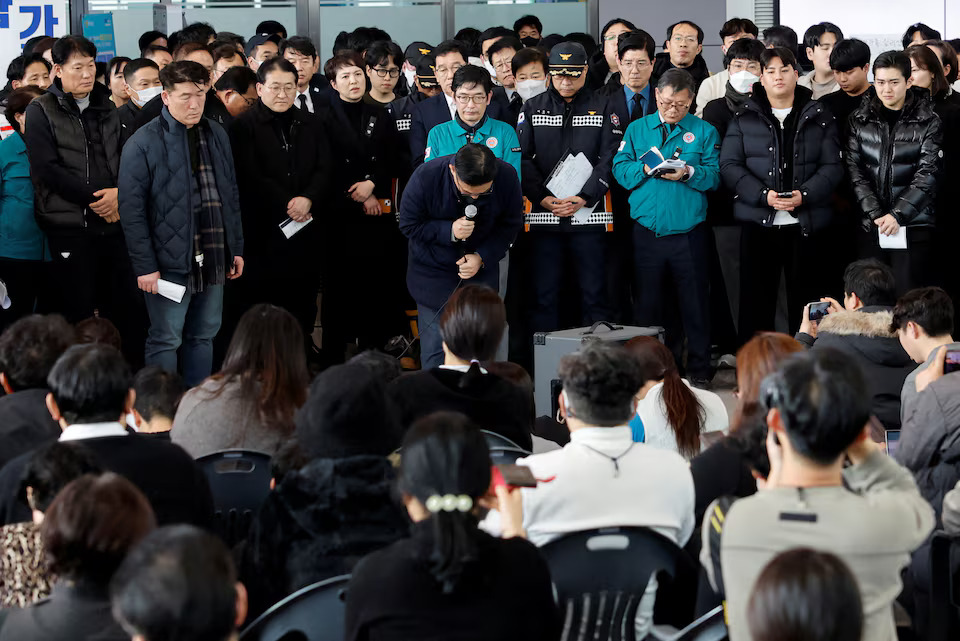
{"x":521,"y":118}
{"x":689,"y":137}
{"x":623,"y":143}
{"x":615,"y":119}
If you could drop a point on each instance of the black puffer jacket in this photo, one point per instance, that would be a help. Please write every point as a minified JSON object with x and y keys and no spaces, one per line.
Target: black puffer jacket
{"x":895,"y":172}
{"x":755,"y":159}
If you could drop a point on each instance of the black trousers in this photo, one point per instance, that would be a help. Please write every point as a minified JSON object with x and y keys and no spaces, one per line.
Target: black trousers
{"x":680,"y":259}
{"x":587,"y":252}
{"x":724,"y":252}
{"x":92,"y":272}
{"x":25,"y":281}
{"x":765,"y":254}
{"x":915,"y":266}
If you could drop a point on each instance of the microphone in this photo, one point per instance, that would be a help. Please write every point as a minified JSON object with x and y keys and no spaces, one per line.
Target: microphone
{"x":470,"y":212}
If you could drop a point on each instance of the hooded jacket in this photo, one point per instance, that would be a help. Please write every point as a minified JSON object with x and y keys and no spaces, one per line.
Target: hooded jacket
{"x":895,"y":172}
{"x":754,"y":156}
{"x":865,"y":336}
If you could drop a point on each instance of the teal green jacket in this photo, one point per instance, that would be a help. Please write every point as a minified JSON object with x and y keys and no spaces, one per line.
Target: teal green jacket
{"x":665,"y":206}
{"x":447,"y":138}
{"x":20,"y":237}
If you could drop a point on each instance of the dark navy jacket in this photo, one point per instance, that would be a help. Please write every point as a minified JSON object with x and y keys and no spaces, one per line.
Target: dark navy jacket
{"x":430,"y":205}
{"x":428,"y":114}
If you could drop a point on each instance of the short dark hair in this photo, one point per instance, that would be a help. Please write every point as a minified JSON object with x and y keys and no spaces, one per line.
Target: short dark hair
{"x":529,"y":55}
{"x":823,"y":400}
{"x":928,"y":307}
{"x":506,"y":42}
{"x":90,"y":384}
{"x":184,"y":49}
{"x":949,"y":53}
{"x":381,"y":51}
{"x":136,"y":65}
{"x":274,"y":64}
{"x":600,"y":382}
{"x":785,"y":55}
{"x":17,"y":68}
{"x":97,"y":329}
{"x":795,"y":585}
{"x":475,"y":164}
{"x":72,"y":45}
{"x":686,"y":22}
{"x":926,"y":59}
{"x":638,"y":39}
{"x":678,"y":80}
{"x":744,"y":49}
{"x":153,"y":49}
{"x":472,"y":75}
{"x":183,"y":71}
{"x":101,"y":70}
{"x":178,"y":584}
{"x":469,"y":36}
{"x":346,"y":58}
{"x":147,"y":37}
{"x":229,"y":38}
{"x":17,"y":102}
{"x":238,"y":79}
{"x":893,"y":60}
{"x":270,"y":27}
{"x":50,"y":468}
{"x":872,"y":281}
{"x":528,"y":21}
{"x":626,"y":23}
{"x":115,"y":62}
{"x":780,"y":36}
{"x":300,"y":44}
{"x":473,"y":323}
{"x":226,"y":51}
{"x":928,"y":33}
{"x":494,"y":32}
{"x":199,"y":32}
{"x":447,"y":47}
{"x":91,"y":526}
{"x":158,"y":392}
{"x":30,"y":347}
{"x":850,"y":53}
{"x":733,"y":26}
{"x":811,"y":37}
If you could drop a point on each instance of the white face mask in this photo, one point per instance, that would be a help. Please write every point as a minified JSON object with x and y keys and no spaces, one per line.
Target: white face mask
{"x":530,"y":88}
{"x":146,"y":95}
{"x":490,"y":69}
{"x":409,"y":74}
{"x":742,"y":81}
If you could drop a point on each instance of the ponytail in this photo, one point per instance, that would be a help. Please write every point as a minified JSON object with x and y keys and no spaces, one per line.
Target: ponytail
{"x":684,"y":413}
{"x":454,"y":547}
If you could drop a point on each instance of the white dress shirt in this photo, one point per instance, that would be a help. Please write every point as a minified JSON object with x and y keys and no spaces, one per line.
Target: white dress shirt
{"x":307,"y":100}
{"x":452,"y":106}
{"x":81,"y":431}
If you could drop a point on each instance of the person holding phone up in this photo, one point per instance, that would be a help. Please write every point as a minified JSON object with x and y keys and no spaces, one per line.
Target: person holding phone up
{"x":781,"y":159}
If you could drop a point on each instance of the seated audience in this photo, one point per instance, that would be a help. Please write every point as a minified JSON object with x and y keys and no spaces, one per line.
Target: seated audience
{"x":471,"y":327}
{"x":158,"y":395}
{"x":860,"y":328}
{"x":730,"y":467}
{"x":602,"y":477}
{"x":28,"y":350}
{"x":249,"y":404}
{"x":90,"y":395}
{"x":87,"y":532}
{"x":805,"y":595}
{"x":344,"y":433}
{"x":100,"y":331}
{"x":671,"y":414}
{"x":923,"y":320}
{"x":179,"y":584}
{"x":869,"y":513}
{"x":24,"y":577}
{"x":450,"y":580}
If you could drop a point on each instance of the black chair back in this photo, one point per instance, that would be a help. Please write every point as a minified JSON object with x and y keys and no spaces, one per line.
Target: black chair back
{"x":507,"y":455}
{"x":495,"y":440}
{"x":710,"y":627}
{"x":944,"y":622}
{"x":240,"y":483}
{"x":601,"y":575}
{"x":314,"y":613}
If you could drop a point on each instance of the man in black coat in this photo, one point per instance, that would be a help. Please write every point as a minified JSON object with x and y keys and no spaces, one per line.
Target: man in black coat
{"x":781,"y":158}
{"x":283,"y":161}
{"x":682,"y":50}
{"x":500,"y":55}
{"x":894,"y":156}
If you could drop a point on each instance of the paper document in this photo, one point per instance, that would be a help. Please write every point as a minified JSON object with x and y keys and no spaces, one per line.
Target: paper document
{"x":655,"y":161}
{"x":896,"y":241}
{"x":171,"y":290}
{"x":569,"y":177}
{"x":583,"y":214}
{"x":289,"y":227}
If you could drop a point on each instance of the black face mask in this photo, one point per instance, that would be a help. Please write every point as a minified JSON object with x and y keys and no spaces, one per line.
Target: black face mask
{"x":530,"y":41}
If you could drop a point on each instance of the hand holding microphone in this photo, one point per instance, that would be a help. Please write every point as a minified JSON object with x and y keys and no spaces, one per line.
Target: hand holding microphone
{"x":463,"y":227}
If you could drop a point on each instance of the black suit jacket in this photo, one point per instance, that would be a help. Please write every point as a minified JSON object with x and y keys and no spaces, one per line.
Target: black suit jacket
{"x":25,"y":423}
{"x":73,"y":612}
{"x":510,"y":111}
{"x":430,"y":113}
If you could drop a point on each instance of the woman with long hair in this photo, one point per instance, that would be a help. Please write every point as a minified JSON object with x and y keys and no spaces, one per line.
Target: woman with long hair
{"x":730,"y":466}
{"x":471,"y":327}
{"x":250,"y":403}
{"x":450,"y":580}
{"x":671,"y":414}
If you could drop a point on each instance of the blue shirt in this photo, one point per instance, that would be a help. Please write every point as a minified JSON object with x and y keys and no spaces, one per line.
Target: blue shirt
{"x":644,"y":95}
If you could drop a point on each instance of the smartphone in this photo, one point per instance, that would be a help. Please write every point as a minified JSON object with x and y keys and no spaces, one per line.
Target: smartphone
{"x":892,"y":439}
{"x":818,"y":311}
{"x":512,"y":476}
{"x":786,"y":195}
{"x":951,"y":362}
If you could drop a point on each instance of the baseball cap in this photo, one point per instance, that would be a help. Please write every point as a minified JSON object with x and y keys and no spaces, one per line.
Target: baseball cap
{"x":4,"y":298}
{"x":415,"y":51}
{"x":427,"y":71}
{"x":567,"y":59}
{"x":258,"y":40}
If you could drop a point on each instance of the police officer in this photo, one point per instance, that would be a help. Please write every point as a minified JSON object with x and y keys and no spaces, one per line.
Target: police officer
{"x":425,"y":86}
{"x":553,"y":127}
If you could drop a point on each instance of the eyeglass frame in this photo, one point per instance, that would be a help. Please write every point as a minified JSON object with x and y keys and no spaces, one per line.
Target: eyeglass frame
{"x":475,"y":99}
{"x":444,"y":71}
{"x":276,"y":89}
{"x":382,"y":73}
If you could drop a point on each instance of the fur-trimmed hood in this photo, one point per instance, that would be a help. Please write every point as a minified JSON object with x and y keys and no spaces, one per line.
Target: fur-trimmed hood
{"x":865,"y":332}
{"x":862,"y":322}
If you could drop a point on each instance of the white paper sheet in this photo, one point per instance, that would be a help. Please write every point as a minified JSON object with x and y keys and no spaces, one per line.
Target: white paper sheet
{"x":570,"y":177}
{"x":896,"y":241}
{"x":171,"y":290}
{"x":289,"y":227}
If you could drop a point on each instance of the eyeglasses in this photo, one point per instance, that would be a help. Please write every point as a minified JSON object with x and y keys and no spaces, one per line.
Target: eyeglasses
{"x":278,"y":89}
{"x":444,"y":71}
{"x":636,"y":64}
{"x":477,"y":100}
{"x":690,"y":40}
{"x":739,"y":65}
{"x":613,"y":36}
{"x":669,"y":104}
{"x":250,"y":101}
{"x":503,"y":64}
{"x":383,"y":73}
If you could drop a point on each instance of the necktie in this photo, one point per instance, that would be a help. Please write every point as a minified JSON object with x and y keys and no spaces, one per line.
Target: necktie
{"x":301,"y":102}
{"x":666,"y":131}
{"x":637,"y":111}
